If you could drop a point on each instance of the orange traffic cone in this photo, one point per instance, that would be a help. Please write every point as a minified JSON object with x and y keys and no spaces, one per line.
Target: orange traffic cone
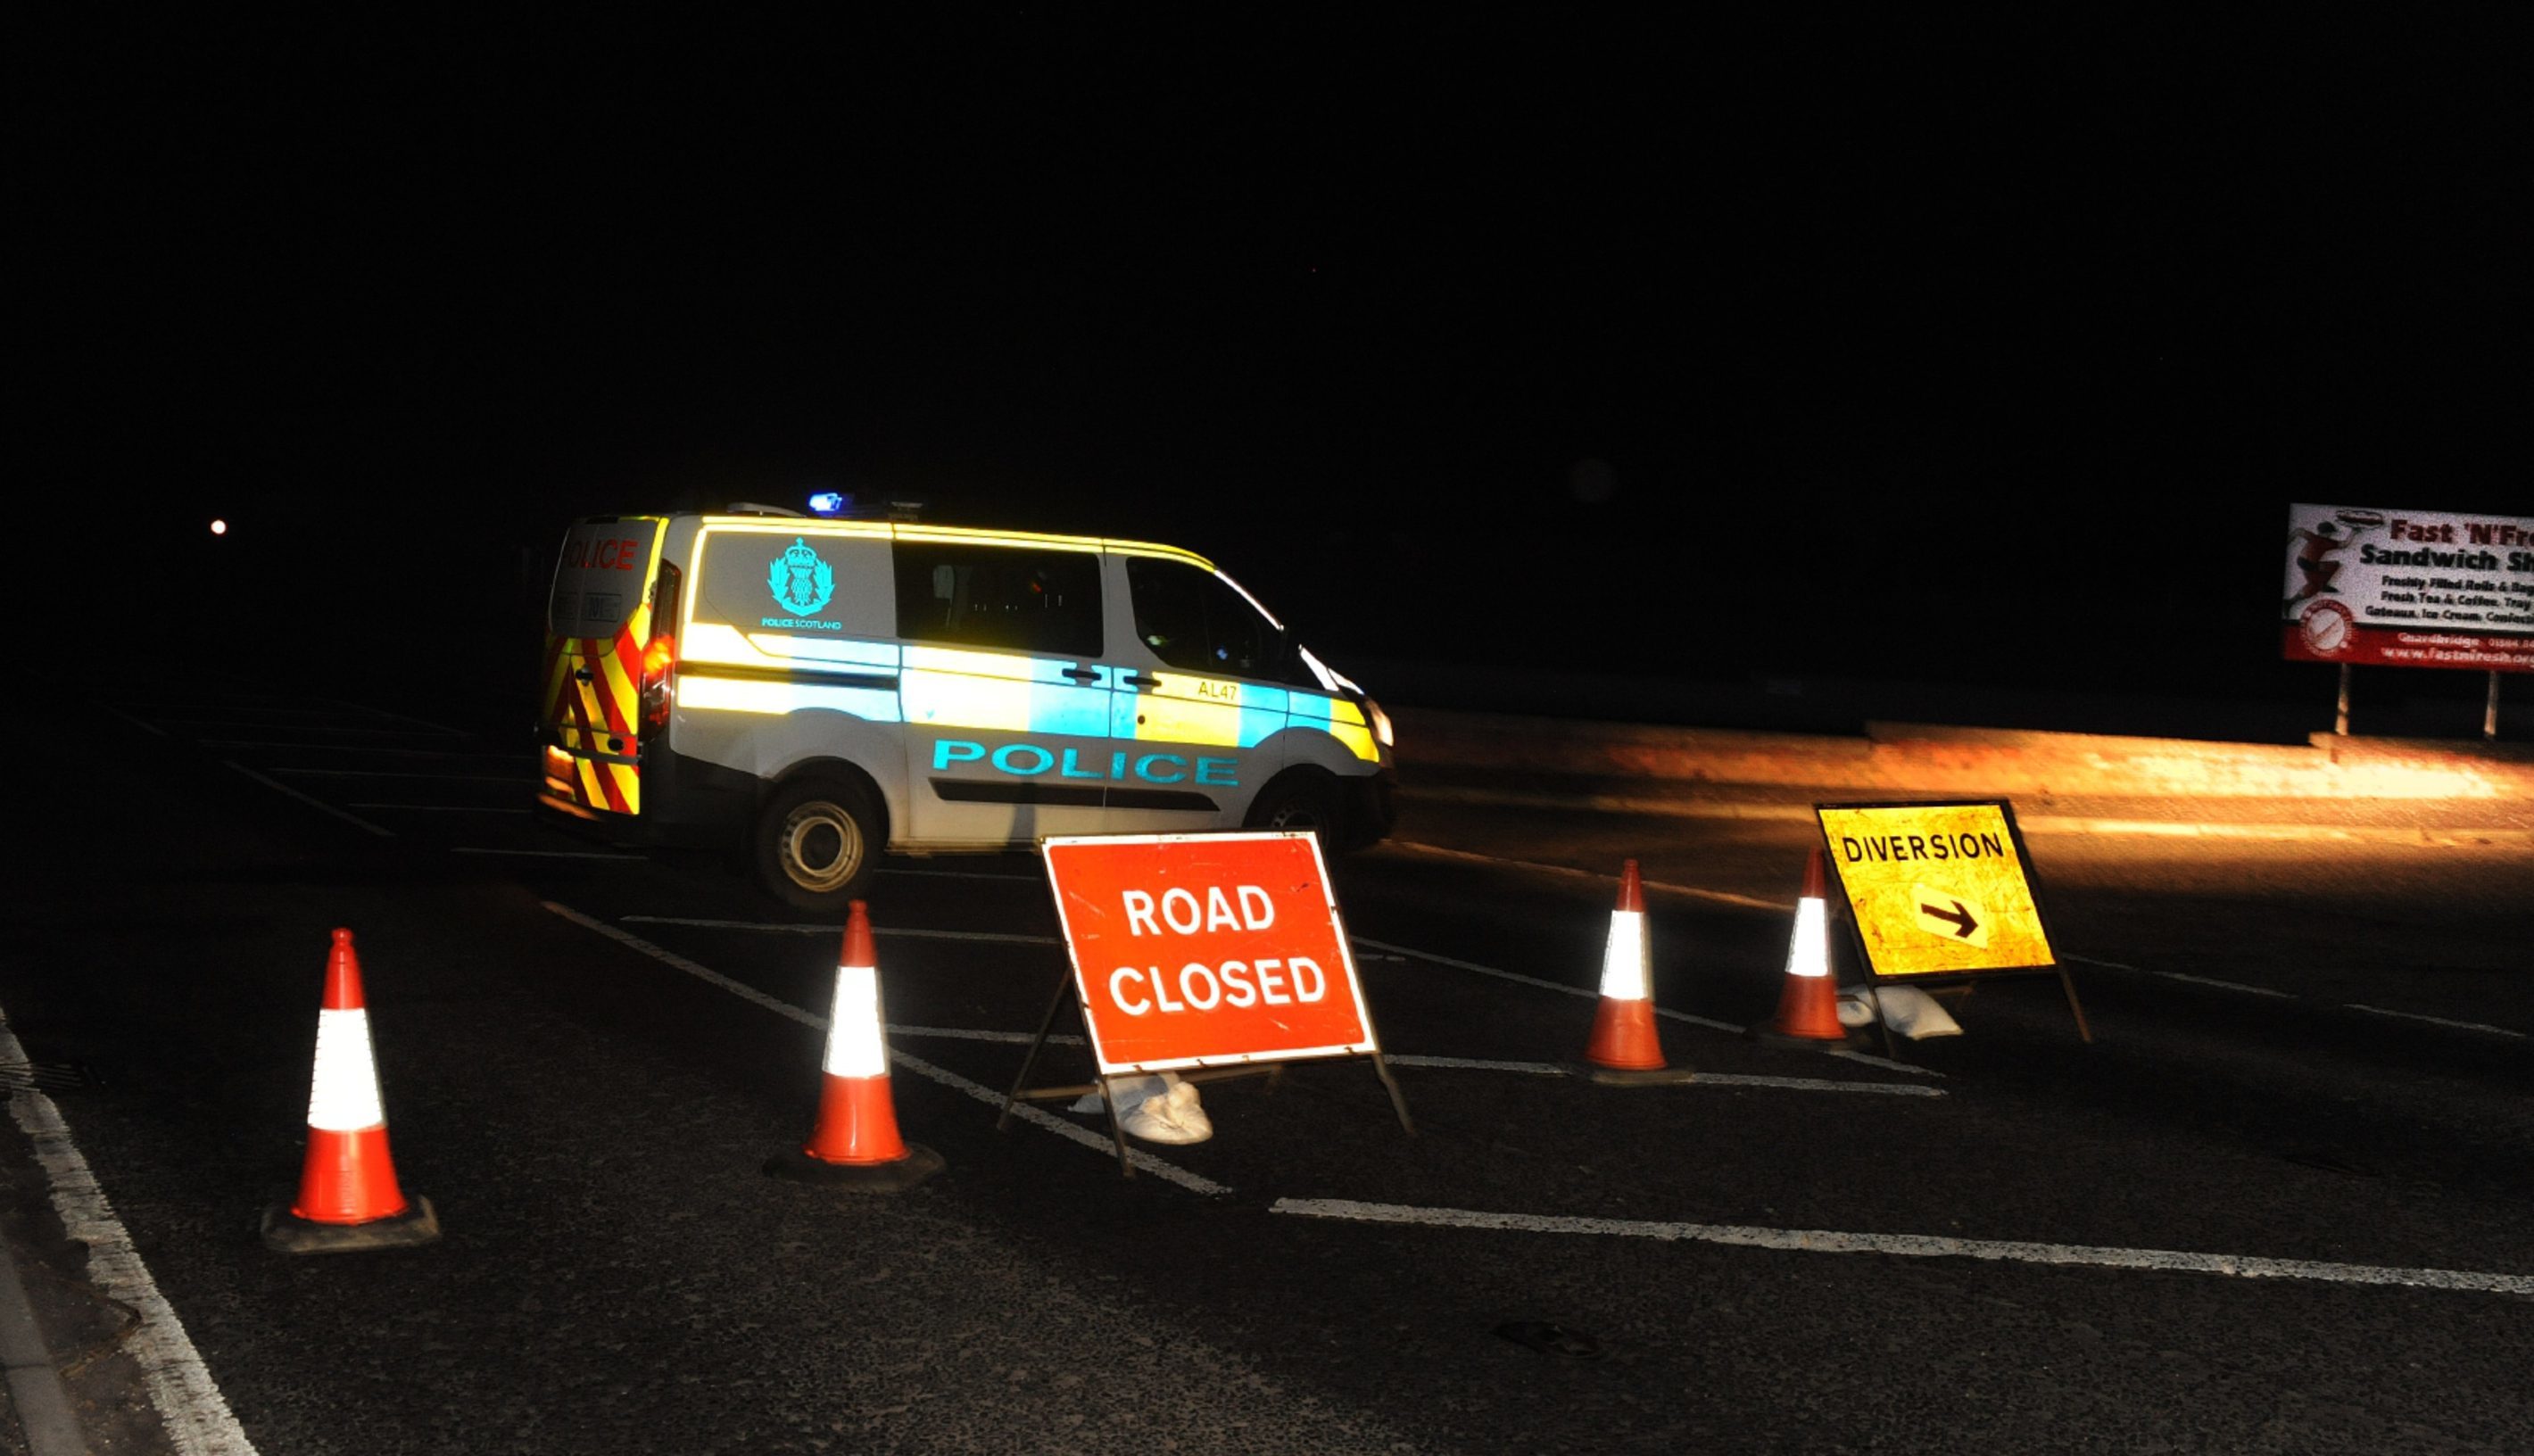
{"x":1808,"y":1004}
{"x":1624,"y":1049}
{"x":349,"y":1196}
{"x":856,"y":1144}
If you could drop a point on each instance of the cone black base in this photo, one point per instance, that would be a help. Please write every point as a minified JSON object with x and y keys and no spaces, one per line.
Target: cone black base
{"x":893,"y":1176}
{"x":1615,"y":1077}
{"x":287,"y":1232}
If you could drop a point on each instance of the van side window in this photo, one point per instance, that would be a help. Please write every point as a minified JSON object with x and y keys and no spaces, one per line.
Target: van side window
{"x":1194,"y":620}
{"x":1017,"y":600}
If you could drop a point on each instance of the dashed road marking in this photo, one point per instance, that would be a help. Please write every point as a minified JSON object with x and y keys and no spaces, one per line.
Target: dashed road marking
{"x":319,"y":805}
{"x":1721,"y":896}
{"x":1919,"y":1246}
{"x":798,"y":928}
{"x":2482,"y":1027}
{"x":2439,"y":1021}
{"x":1702,"y":1079}
{"x":1036,"y":1116}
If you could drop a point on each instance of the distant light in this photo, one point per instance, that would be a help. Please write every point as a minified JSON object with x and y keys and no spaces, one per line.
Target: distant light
{"x":220,"y":528}
{"x":830,"y":503}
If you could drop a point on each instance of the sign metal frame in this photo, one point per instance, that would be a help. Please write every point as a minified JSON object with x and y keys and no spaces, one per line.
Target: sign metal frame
{"x":1875,"y":978}
{"x":1207,"y":1068}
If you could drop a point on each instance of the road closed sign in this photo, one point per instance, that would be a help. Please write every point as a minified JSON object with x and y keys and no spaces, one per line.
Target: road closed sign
{"x":1206,"y":950}
{"x":1936,"y":889}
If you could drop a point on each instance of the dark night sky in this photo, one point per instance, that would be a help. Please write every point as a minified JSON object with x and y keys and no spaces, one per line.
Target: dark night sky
{"x":1691,"y":348}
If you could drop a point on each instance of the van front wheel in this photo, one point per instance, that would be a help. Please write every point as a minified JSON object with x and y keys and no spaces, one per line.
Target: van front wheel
{"x":816,"y":842}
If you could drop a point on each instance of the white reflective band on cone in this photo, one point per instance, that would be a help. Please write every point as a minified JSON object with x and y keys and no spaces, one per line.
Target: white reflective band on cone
{"x":344,"y":1097}
{"x":1623,"y":965}
{"x":854,"y":1048}
{"x":1808,"y":953}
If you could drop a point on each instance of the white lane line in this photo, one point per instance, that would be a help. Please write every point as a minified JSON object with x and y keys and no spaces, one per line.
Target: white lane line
{"x":2225,"y":985}
{"x":1518,"y":978}
{"x":1721,"y":896}
{"x":2482,"y":1027}
{"x":363,"y":748}
{"x":316,"y":804}
{"x":2088,"y":960}
{"x":142,"y":724}
{"x":1702,"y":1079}
{"x":1010,"y":1037}
{"x":546,"y":854}
{"x":960,"y":874}
{"x":189,"y":1402}
{"x":2440,"y":1021}
{"x":796,"y":927}
{"x":1920,"y":1245}
{"x":1144,"y":1162}
{"x":444,"y":808}
{"x":478,"y":778}
{"x":1667,"y":1014}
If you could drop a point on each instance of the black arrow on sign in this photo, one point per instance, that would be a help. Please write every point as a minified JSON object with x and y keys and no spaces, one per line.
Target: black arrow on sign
{"x":1960,"y":916}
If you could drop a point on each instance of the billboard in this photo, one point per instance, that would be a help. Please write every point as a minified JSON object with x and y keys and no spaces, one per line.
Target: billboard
{"x":2409,"y":588}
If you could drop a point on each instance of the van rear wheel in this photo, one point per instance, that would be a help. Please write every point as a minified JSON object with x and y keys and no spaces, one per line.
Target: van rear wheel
{"x":816,"y":843}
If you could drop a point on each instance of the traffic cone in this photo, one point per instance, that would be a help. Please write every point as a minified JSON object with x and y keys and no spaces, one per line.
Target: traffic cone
{"x":349,"y":1198}
{"x":1808,"y":1004}
{"x":856,"y":1144}
{"x":1624,"y":1049}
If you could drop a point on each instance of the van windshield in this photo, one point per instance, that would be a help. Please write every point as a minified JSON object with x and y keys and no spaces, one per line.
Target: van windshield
{"x":600,"y":577}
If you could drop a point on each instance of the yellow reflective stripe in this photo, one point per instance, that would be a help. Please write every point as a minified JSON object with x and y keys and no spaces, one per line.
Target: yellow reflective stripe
{"x":711,"y":642}
{"x":1186,"y":721}
{"x":628,"y":783}
{"x":1342,"y":710}
{"x":1357,"y":739}
{"x":591,"y":793}
{"x":622,"y":687}
{"x":959,"y":701}
{"x":704,"y":692}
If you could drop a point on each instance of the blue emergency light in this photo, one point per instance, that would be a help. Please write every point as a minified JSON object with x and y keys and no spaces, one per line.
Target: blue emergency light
{"x":830,"y":503}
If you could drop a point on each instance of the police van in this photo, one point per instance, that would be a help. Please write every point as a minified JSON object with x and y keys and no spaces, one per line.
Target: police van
{"x":816,"y":691}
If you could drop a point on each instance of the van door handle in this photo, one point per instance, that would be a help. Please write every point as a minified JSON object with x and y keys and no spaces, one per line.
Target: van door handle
{"x":1084,"y":674}
{"x":581,"y":675}
{"x":1138,"y":679}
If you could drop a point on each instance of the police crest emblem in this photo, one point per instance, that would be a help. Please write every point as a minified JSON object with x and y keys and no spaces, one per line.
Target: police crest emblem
{"x":801,"y":583}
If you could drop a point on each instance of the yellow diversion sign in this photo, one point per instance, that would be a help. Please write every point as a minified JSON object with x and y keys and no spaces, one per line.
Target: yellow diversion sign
{"x":1936,"y":889}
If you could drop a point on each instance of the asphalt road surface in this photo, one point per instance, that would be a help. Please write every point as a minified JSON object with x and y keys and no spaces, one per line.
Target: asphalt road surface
{"x":2283,"y":1202}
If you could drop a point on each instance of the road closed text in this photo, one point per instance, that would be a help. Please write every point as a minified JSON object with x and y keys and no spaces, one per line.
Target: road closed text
{"x":1267,"y":980}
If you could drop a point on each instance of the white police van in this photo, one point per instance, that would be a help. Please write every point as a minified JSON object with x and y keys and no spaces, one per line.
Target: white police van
{"x":819,"y":690}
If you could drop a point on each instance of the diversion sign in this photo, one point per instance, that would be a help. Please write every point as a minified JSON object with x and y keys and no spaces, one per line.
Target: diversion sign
{"x":2408,"y":588}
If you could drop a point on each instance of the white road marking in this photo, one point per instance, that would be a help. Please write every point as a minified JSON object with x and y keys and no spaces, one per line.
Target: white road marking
{"x":142,"y":724}
{"x":546,"y":854}
{"x":796,"y":927}
{"x":1412,"y":954}
{"x":445,"y":807}
{"x":962,"y":1034}
{"x":1920,"y":1245}
{"x":2440,"y":1021}
{"x":363,"y":748}
{"x":1704,"y":1079}
{"x":1695,"y":891}
{"x":1518,"y":978}
{"x":960,"y":874}
{"x":317,"y":804}
{"x":2225,"y":985}
{"x":189,"y":1402}
{"x":1144,"y":1162}
{"x":477,"y":778}
{"x":2482,"y":1027}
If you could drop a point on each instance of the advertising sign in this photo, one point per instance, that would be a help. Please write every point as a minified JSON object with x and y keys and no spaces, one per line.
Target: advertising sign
{"x":1206,"y":950}
{"x":1936,"y":889}
{"x":2409,"y":588}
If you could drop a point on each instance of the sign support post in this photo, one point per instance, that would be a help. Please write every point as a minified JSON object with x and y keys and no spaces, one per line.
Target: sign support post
{"x":1209,"y":956}
{"x":2340,"y":714}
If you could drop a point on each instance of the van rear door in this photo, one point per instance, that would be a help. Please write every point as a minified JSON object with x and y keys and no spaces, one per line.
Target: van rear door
{"x":598,"y":620}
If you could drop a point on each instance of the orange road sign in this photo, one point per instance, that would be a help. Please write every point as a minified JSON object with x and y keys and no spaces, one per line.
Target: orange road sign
{"x":1936,"y":889}
{"x":1206,"y":950}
